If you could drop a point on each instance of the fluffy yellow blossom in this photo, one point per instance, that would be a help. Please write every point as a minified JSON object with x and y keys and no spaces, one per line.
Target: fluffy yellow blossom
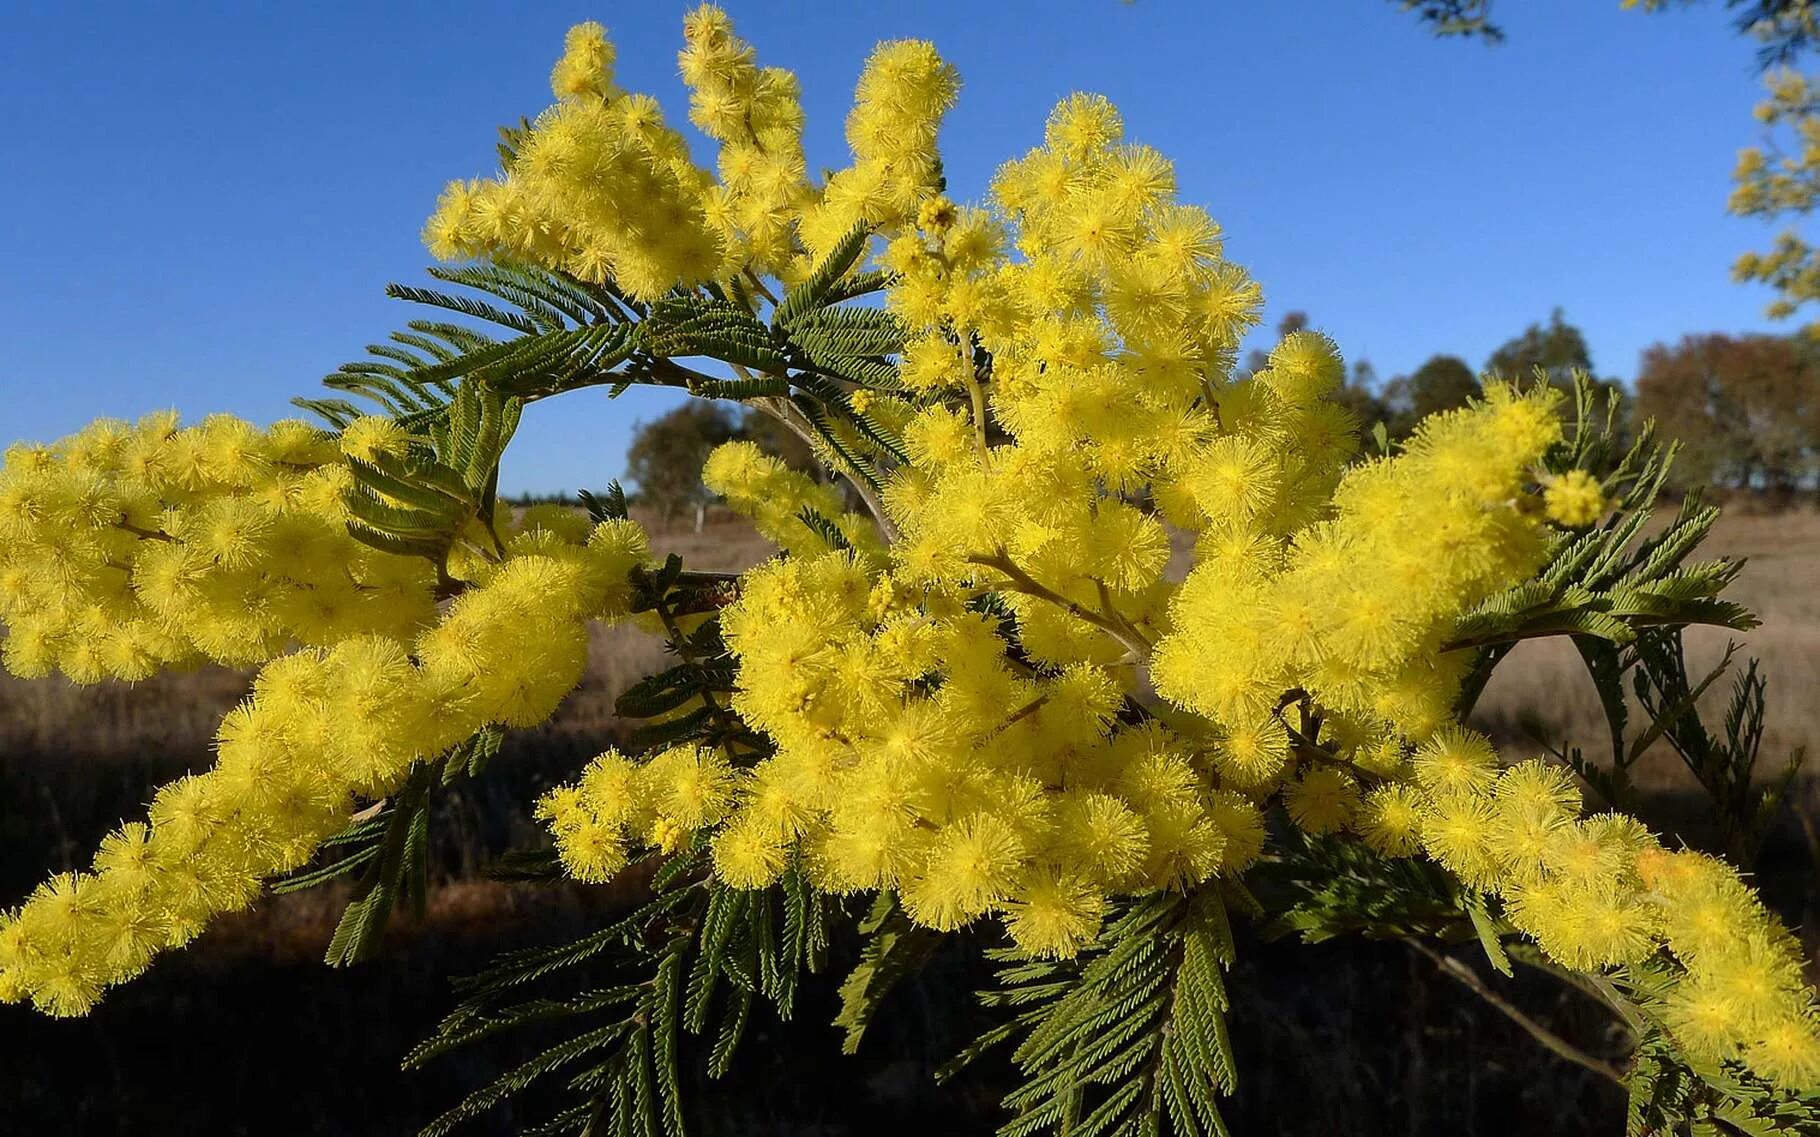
{"x":1390,"y":820}
{"x":756,"y":115}
{"x":904,"y":91}
{"x":969,"y":678}
{"x":1322,"y":800}
{"x":599,"y":186}
{"x":322,"y":726}
{"x":777,"y":498}
{"x":133,"y":549}
{"x":1574,"y":499}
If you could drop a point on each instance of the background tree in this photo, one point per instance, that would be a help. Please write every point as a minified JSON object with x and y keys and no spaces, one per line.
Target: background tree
{"x":1469,"y":18}
{"x":1442,"y":383}
{"x":1364,"y":397}
{"x":1781,"y":178}
{"x":1558,"y":350}
{"x":666,"y":456}
{"x":1746,"y":408}
{"x":777,"y":440}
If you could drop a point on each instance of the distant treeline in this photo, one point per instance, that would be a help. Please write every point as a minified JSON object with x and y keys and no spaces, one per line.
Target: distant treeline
{"x":1745,"y":408}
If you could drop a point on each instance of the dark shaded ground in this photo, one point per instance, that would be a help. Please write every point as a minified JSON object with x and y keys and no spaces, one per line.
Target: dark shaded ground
{"x":248,"y":1033}
{"x":1337,"y":1038}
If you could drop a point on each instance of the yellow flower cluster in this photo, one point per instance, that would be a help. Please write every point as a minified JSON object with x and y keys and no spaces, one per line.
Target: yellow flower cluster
{"x":775,"y":497}
{"x":600,"y":186}
{"x":1574,"y":499}
{"x":756,"y":115}
{"x":1105,"y":341}
{"x":1354,"y":609}
{"x":904,"y":91}
{"x":1782,"y":179}
{"x":962,"y":714}
{"x":989,"y":698}
{"x":1744,"y":995}
{"x":321,"y":726}
{"x":915,"y":753}
{"x":1601,"y":892}
{"x":125,"y":549}
{"x":662,"y":802}
{"x":923,"y":747}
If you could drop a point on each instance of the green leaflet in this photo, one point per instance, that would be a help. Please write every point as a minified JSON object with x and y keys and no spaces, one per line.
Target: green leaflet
{"x":703,"y":674}
{"x":894,"y":948}
{"x":567,"y":334}
{"x":1322,"y":887}
{"x":825,"y":529}
{"x":1608,"y":582}
{"x":1487,"y":929}
{"x":822,"y":287}
{"x":420,"y":504}
{"x":461,"y":388}
{"x":1131,"y":1037}
{"x":688,"y":963}
{"x":682,"y":326}
{"x":1724,"y":763}
{"x":850,"y":331}
{"x":390,"y":850}
{"x":608,"y":506}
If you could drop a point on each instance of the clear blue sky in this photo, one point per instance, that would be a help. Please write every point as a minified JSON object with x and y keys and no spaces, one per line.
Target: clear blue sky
{"x":202,"y":202}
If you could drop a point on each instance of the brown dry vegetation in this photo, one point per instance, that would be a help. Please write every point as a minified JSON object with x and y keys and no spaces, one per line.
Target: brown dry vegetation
{"x":250,"y":1003}
{"x":1542,"y":689}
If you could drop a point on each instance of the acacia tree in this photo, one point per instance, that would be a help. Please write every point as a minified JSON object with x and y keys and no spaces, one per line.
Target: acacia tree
{"x":1442,"y":383}
{"x":974,"y":710}
{"x":1558,"y":353}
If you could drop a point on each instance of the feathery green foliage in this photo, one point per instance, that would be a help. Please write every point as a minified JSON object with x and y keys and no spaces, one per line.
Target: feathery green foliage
{"x":1128,"y":1039}
{"x":675,"y":980}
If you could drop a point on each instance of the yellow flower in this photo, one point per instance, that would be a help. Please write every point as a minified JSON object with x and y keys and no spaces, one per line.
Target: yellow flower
{"x":1322,"y":800}
{"x":1390,"y":820}
{"x":1574,"y":499}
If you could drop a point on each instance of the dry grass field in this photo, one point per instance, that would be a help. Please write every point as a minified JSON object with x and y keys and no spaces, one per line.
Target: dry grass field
{"x":252,"y":1003}
{"x":1542,"y":686}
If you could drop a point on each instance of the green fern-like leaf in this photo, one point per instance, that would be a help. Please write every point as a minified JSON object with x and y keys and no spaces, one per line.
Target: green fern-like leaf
{"x":850,"y":331}
{"x":823,"y":285}
{"x":1130,"y":1038}
{"x":689,"y":963}
{"x":894,"y":948}
{"x":685,"y":326}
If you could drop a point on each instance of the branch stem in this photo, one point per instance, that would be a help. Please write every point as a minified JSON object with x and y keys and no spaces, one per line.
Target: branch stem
{"x":143,"y":534}
{"x":783,"y":412}
{"x":1113,"y":625}
{"x":1554,"y":1043}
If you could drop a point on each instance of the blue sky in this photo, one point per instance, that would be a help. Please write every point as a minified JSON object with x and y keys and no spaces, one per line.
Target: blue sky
{"x":202,"y":202}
